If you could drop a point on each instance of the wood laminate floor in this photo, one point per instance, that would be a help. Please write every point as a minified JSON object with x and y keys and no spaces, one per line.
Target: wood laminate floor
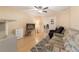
{"x":25,"y":44}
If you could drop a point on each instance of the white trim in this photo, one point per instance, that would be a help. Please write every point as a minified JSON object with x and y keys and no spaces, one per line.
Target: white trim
{"x":6,"y":28}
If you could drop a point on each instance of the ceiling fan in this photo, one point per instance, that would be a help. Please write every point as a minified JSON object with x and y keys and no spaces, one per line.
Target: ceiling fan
{"x":41,"y":9}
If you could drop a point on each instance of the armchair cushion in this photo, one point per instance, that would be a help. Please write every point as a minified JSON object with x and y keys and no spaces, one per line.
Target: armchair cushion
{"x":59,"y":30}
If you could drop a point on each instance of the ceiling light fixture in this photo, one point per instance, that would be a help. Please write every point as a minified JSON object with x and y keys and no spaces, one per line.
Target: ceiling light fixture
{"x":41,"y":9}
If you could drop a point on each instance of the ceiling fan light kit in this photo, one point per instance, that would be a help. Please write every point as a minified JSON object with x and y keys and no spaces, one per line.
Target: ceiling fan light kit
{"x":41,"y":9}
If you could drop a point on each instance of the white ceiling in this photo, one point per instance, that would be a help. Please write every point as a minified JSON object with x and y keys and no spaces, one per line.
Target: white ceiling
{"x":58,"y":8}
{"x":53,"y":8}
{"x":26,"y":9}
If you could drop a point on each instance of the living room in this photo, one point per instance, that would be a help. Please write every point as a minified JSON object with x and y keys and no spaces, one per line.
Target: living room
{"x":28,"y":25}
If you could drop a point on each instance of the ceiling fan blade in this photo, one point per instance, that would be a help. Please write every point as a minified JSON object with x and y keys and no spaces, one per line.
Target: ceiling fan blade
{"x":45,"y":8}
{"x":45,"y":11}
{"x":38,"y":7}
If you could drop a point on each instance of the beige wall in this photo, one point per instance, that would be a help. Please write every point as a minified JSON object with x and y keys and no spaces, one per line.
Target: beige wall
{"x":13,"y":14}
{"x":20,"y":17}
{"x":75,"y":17}
{"x":63,"y":18}
{"x":69,"y":18}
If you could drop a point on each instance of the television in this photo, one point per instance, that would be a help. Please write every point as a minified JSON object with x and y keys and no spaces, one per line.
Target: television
{"x":30,"y":26}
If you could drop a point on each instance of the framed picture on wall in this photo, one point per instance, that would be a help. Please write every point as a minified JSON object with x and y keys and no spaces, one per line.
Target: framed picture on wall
{"x":52,"y":21}
{"x":30,"y":26}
